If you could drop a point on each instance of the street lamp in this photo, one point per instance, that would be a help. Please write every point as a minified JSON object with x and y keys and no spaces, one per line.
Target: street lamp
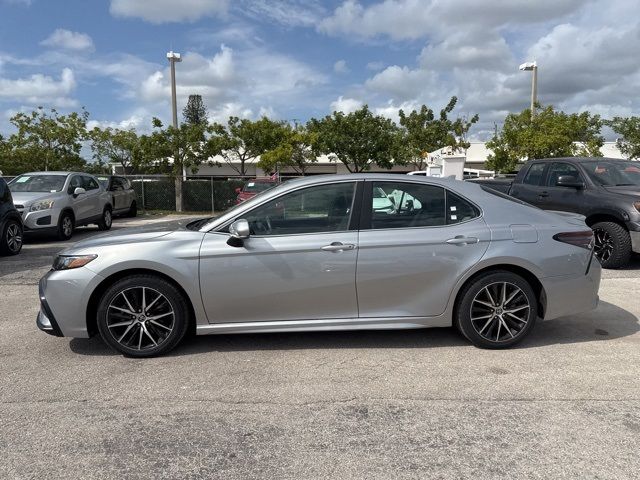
{"x":173,"y":59}
{"x":533,"y":66}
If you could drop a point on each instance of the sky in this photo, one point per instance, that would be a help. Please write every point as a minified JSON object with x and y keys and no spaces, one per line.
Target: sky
{"x":297,"y":59}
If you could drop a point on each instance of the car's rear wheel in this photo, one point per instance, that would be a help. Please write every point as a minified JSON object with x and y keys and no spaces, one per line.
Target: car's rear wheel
{"x":11,"y":240}
{"x":612,"y":244}
{"x":496,"y":310}
{"x":133,"y":210}
{"x":65,"y":226}
{"x":142,"y":316}
{"x":105,"y":220}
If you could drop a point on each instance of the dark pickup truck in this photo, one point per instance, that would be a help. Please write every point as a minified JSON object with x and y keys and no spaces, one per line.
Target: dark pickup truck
{"x":605,"y":190}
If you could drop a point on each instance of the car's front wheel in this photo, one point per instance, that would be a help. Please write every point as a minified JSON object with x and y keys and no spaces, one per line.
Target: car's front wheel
{"x":65,"y":226}
{"x":105,"y":220}
{"x":496,"y":310}
{"x":11,"y":240}
{"x":142,"y":316}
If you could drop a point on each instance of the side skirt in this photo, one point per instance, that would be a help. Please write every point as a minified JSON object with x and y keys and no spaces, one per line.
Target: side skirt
{"x":330,"y":324}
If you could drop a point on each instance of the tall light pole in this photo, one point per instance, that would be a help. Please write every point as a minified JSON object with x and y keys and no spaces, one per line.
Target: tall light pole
{"x":533,"y":66}
{"x":173,"y":58}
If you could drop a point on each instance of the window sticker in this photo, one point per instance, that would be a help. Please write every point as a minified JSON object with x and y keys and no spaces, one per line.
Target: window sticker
{"x":452,"y":208}
{"x":250,"y":184}
{"x":454,"y":217}
{"x":23,"y":179}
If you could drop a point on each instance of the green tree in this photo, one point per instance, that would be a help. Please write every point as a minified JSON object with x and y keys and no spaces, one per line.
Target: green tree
{"x":425,"y":133}
{"x":242,"y":140}
{"x":46,"y":141}
{"x":112,"y":145}
{"x":295,"y":150}
{"x":358,"y":139}
{"x":629,"y":130}
{"x":174,"y":151}
{"x":195,"y":112}
{"x":549,"y":134}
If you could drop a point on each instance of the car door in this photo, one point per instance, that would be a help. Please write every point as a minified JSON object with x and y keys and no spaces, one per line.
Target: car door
{"x":566,"y":199}
{"x":298,"y":264}
{"x":532,"y":185}
{"x":92,"y":197}
{"x":410,"y":259}
{"x":80,"y":203}
{"x":118,"y":193}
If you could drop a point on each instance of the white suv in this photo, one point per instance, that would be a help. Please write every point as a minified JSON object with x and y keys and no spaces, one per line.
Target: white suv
{"x":57,"y":202}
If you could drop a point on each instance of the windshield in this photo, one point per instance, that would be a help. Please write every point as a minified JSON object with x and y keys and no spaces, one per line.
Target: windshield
{"x":38,"y":183}
{"x":613,"y":173}
{"x":256,"y":187}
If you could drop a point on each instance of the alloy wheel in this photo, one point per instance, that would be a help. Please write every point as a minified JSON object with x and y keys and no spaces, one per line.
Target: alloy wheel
{"x":140,"y":318}
{"x":14,"y":238}
{"x":603,"y":245}
{"x":500,"y":311}
{"x":67,"y":226}
{"x":107,"y":218}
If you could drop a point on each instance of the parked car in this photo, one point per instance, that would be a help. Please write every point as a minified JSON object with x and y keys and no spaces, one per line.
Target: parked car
{"x":124,"y":199}
{"x":10,"y":223}
{"x":313,"y":254}
{"x":605,"y":190}
{"x":57,"y":202}
{"x":253,"y":188}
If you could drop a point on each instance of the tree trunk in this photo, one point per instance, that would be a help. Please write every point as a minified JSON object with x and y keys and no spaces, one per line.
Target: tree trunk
{"x":178,"y":184}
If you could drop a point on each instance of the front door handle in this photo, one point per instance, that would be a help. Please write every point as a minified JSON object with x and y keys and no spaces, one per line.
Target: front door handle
{"x":338,"y":247}
{"x":462,"y":240}
{"x":543,"y":194}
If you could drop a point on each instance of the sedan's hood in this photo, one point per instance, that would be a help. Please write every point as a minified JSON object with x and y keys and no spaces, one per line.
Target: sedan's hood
{"x":26,"y":198}
{"x":632,"y":190}
{"x":132,"y":235}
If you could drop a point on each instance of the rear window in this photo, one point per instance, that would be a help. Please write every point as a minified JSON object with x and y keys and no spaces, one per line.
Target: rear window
{"x":255,"y":187}
{"x":534,"y":175}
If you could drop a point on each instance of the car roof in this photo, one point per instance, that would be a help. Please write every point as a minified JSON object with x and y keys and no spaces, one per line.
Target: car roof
{"x":578,"y":159}
{"x":55,"y":172}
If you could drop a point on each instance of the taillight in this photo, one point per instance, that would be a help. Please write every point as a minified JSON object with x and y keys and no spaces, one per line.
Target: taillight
{"x":582,"y":239}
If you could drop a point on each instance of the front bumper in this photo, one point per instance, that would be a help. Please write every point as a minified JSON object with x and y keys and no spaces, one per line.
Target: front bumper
{"x":64,"y":298}
{"x":40,"y":220}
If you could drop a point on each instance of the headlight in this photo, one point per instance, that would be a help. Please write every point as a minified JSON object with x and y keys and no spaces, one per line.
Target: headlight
{"x":41,"y":205}
{"x":67,"y":262}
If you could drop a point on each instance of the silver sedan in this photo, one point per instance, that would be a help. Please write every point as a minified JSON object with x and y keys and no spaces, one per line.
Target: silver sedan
{"x":316,"y":254}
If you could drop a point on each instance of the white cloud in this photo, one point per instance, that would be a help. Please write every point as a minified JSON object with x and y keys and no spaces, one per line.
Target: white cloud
{"x":290,"y":13}
{"x":402,"y":82}
{"x":346,"y":105}
{"x":166,"y":11}
{"x":39,"y":88}
{"x":377,"y":65}
{"x":68,"y":40}
{"x":340,"y":67}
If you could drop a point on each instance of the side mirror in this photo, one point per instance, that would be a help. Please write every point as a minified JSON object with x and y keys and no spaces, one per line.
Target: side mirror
{"x":79,"y":191}
{"x":238,"y":190}
{"x":569,"y":182}
{"x":239,"y":231}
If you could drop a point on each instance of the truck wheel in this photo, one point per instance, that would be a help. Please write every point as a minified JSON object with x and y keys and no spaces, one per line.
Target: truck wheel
{"x":612,"y":244}
{"x":105,"y":220}
{"x":65,"y":226}
{"x":133,"y":211}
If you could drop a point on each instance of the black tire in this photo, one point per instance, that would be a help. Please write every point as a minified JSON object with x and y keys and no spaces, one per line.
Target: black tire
{"x":110,"y":314}
{"x":106,"y":220}
{"x":612,"y":244}
{"x":133,"y":210}
{"x":66,"y":224}
{"x":499,"y":320}
{"x":11,"y":240}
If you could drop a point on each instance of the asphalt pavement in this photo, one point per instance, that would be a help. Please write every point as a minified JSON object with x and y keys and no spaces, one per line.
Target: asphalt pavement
{"x":402,"y":404}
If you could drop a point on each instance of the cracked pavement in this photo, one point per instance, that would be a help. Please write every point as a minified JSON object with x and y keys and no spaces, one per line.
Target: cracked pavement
{"x":399,"y":404}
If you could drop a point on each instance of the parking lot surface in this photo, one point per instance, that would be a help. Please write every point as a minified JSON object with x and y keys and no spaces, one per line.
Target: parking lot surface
{"x":402,"y":404}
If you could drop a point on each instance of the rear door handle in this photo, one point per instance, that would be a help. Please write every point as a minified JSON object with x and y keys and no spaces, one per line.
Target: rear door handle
{"x":462,"y":240}
{"x":338,"y":247}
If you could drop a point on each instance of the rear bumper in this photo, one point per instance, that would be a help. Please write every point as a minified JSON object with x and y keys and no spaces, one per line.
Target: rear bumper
{"x":570,"y":295}
{"x":635,"y":241}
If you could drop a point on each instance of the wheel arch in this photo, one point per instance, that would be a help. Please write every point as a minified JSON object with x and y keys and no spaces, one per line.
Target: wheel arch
{"x":605,"y":217}
{"x":94,"y":299}
{"x":523,"y":272}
